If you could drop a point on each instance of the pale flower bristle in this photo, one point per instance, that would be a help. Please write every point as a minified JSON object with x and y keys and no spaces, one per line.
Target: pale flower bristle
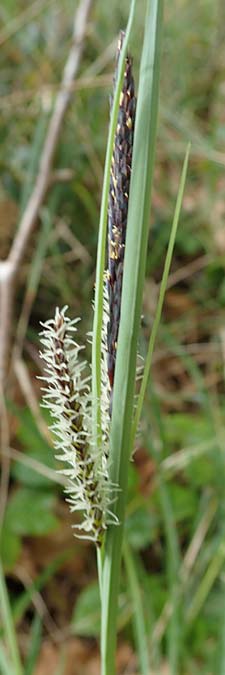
{"x":68,"y":397}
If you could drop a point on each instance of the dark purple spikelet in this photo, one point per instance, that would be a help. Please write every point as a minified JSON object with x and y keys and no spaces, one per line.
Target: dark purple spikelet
{"x":118,"y":205}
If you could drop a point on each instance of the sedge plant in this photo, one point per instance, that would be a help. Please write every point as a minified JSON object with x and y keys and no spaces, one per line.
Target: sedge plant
{"x":95,"y":409}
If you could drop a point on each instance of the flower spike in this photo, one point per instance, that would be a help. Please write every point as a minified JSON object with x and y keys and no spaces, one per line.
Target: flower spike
{"x":118,"y":205}
{"x":67,"y":396}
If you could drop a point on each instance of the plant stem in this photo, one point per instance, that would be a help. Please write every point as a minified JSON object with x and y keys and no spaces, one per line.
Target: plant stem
{"x":100,"y":554}
{"x":133,"y":281}
{"x":8,"y":625}
{"x":5,"y":667}
{"x":162,"y":292}
{"x":139,"y":619}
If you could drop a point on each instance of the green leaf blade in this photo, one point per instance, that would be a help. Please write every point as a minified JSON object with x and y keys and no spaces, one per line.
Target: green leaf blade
{"x":134,"y":270}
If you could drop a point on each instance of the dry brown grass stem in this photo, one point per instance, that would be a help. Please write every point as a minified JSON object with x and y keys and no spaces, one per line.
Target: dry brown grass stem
{"x":9,"y":268}
{"x":47,"y":91}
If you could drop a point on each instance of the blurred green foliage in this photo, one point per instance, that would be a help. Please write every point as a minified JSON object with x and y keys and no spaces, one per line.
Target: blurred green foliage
{"x":175,"y":519}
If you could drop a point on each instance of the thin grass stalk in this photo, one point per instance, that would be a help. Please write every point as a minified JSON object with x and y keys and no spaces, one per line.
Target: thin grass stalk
{"x":8,"y":624}
{"x":35,"y":154}
{"x":23,"y":602}
{"x":162,"y":292}
{"x":221,"y":669}
{"x":173,"y":556}
{"x":35,"y":638}
{"x":213,"y":570}
{"x":34,"y":277}
{"x":172,"y":543}
{"x":133,"y":281}
{"x":139,"y":619}
{"x":5,"y":667}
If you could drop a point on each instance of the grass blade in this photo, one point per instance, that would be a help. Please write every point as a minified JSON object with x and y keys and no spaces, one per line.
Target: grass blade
{"x":138,"y":620}
{"x":5,"y":667}
{"x":8,"y":625}
{"x":212,"y":572}
{"x":25,"y":599}
{"x":34,"y":645}
{"x":134,"y":270}
{"x":35,"y":153}
{"x":166,"y":270}
{"x":173,"y":555}
{"x":221,"y":669}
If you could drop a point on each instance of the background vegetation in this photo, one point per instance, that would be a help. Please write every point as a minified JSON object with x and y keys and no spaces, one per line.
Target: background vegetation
{"x":175,"y":516}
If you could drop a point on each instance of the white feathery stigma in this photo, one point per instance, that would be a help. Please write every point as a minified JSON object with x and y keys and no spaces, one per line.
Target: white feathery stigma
{"x":67,"y":395}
